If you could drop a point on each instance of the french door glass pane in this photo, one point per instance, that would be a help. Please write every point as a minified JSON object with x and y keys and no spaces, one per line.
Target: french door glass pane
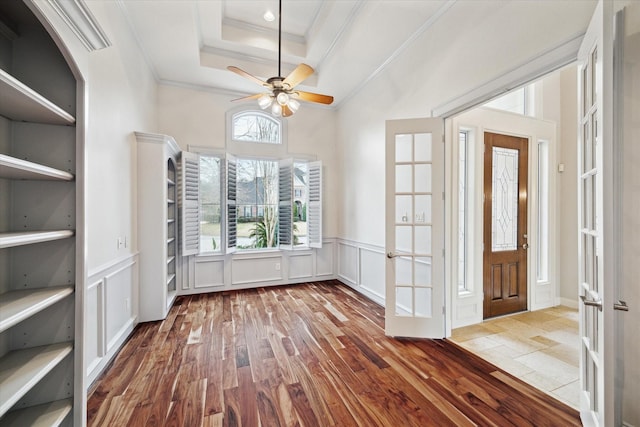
{"x":404,"y":271}
{"x":404,"y":239}
{"x":423,"y":178}
{"x":404,"y":146}
{"x":423,"y":209}
{"x":404,"y":209}
{"x":423,"y":240}
{"x":422,"y":147}
{"x":403,"y":178}
{"x":404,"y":301}
{"x":423,"y":271}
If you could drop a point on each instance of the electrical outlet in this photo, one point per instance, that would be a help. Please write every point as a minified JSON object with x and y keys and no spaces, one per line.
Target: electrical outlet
{"x":121,"y":243}
{"x":277,"y":266}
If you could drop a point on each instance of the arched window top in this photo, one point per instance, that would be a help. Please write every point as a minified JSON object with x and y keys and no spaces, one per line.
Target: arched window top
{"x":257,"y":127}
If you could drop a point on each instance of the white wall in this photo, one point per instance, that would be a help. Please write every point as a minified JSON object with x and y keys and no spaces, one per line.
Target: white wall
{"x":122,"y":99}
{"x":561,"y":91}
{"x":494,"y":38}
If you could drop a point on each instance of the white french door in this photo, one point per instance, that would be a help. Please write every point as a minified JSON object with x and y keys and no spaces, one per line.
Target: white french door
{"x":414,"y":300}
{"x":596,"y":260}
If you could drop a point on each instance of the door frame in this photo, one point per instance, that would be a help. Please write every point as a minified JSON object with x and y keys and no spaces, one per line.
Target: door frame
{"x":527,"y":72}
{"x":467,"y":307}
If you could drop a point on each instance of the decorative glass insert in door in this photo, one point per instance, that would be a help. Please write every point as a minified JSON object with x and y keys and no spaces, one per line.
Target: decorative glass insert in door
{"x":504,"y":209}
{"x":413,"y":224}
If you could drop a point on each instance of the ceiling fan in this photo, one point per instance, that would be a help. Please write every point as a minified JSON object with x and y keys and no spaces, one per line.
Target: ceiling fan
{"x":282,"y":96}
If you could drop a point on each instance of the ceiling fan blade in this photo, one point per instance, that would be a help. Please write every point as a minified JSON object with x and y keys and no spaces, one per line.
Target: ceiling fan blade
{"x":286,"y":111}
{"x":246,"y":98}
{"x":301,"y":72}
{"x":247,"y":76}
{"x":314,"y":97}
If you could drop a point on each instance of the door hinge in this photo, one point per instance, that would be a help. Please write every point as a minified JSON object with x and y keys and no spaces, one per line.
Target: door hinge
{"x":444,"y":310}
{"x":443,"y":195}
{"x":443,"y":138}
{"x":443,"y":253}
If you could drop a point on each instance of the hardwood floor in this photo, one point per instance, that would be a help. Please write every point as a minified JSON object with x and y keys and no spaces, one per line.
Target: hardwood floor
{"x":304,"y":355}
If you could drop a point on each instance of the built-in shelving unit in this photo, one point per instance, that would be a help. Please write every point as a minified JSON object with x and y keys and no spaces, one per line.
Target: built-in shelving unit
{"x":157,"y":233}
{"x":38,"y":212}
{"x":16,"y":306}
{"x":12,"y":168}
{"x":21,"y":103}
{"x":50,"y":414}
{"x":20,"y":370}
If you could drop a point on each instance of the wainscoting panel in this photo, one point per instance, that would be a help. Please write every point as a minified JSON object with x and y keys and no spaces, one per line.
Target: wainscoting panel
{"x":241,"y":270}
{"x":372,"y":270}
{"x":325,"y":259}
{"x":208,"y":273}
{"x":362,"y":267}
{"x":300,"y":266}
{"x":94,"y":322}
{"x":112,"y":311}
{"x":256,"y":269}
{"x":348,"y":262}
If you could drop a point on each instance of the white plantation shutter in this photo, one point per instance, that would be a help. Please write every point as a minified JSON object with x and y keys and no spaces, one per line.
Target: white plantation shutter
{"x":285,"y":204}
{"x":314,"y":208}
{"x":190,"y":203}
{"x":232,"y":216}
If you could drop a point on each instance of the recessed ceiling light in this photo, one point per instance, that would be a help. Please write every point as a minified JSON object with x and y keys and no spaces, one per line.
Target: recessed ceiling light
{"x":269,"y":16}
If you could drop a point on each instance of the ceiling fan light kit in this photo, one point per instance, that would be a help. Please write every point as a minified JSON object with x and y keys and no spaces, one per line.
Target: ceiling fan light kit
{"x":282,"y":98}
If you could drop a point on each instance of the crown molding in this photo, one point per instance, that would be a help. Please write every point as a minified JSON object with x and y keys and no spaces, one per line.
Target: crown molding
{"x":532,"y":69}
{"x":81,"y":21}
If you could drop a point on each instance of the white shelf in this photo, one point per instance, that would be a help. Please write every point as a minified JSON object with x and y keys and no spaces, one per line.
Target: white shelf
{"x":13,"y":168}
{"x":170,"y":278}
{"x":8,"y":240}
{"x":170,"y":181}
{"x":170,"y":221}
{"x":20,"y":102}
{"x":171,"y":258}
{"x":20,"y":370}
{"x":170,"y":239}
{"x":50,"y":414}
{"x":16,"y":306}
{"x":171,"y":202}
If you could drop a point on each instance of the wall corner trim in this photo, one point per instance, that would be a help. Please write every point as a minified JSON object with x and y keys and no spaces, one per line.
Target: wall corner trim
{"x":81,"y":21}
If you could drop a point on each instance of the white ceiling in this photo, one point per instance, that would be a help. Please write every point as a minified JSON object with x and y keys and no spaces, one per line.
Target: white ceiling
{"x":347,"y":42}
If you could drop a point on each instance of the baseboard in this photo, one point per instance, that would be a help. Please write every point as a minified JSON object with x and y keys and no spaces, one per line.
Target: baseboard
{"x":568,"y":302}
{"x":98,"y":365}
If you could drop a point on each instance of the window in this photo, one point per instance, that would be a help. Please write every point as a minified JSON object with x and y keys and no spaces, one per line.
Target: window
{"x":543,"y":212}
{"x":519,"y":101}
{"x":268,"y":203}
{"x":256,"y":127}
{"x":257,"y":203}
{"x":210,"y":204}
{"x":463,"y":190}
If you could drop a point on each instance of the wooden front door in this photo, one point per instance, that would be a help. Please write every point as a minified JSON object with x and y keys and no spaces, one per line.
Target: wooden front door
{"x":505,"y":224}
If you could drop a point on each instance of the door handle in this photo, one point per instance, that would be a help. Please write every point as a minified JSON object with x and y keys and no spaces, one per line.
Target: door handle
{"x":621,"y":305}
{"x":525,"y":246}
{"x":391,"y":255}
{"x":591,"y":302}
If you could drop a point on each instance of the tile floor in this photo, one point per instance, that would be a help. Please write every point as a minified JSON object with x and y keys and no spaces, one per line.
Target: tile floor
{"x":540,"y":347}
